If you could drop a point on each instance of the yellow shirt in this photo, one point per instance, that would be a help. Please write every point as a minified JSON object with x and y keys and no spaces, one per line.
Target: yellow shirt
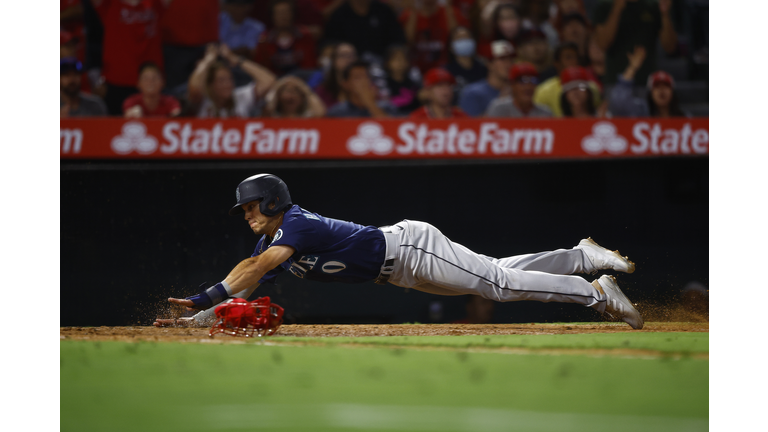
{"x":548,"y":94}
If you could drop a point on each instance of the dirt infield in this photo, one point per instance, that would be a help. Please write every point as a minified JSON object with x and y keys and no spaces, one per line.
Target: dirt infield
{"x":149,"y":333}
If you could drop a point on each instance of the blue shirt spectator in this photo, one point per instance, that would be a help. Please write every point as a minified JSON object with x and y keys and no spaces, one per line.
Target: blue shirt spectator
{"x":475,"y":98}
{"x":236,"y":30}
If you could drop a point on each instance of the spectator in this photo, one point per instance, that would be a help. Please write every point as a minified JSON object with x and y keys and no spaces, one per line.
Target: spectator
{"x":71,"y":16}
{"x":308,"y":15}
{"x":596,"y":61}
{"x":506,"y":25}
{"x":131,"y":37}
{"x":236,"y":30}
{"x":476,"y":97}
{"x":438,"y":86}
{"x":287,"y":47}
{"x":212,"y":91}
{"x":73,"y":102}
{"x":567,"y":7}
{"x":534,"y":48}
{"x":523,"y":78}
{"x":427,"y":26}
{"x":402,"y":89}
{"x":188,"y":26}
{"x":361,"y":95}
{"x":369,"y":25}
{"x":624,"y":24}
{"x":548,"y":93}
{"x":149,"y":102}
{"x":463,"y":62}
{"x":68,"y":45}
{"x":574,"y":28}
{"x":290,"y":97}
{"x":576,"y":98}
{"x":330,"y":90}
{"x":537,"y":16}
{"x":661,"y":100}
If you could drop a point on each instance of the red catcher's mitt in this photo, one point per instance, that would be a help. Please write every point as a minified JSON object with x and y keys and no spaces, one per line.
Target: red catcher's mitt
{"x":238,"y":317}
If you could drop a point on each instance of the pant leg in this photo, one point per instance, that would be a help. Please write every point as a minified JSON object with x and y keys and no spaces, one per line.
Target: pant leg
{"x":560,"y":261}
{"x":428,"y":259}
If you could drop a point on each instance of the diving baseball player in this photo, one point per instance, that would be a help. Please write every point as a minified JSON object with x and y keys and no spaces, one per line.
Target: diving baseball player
{"x":408,"y":254}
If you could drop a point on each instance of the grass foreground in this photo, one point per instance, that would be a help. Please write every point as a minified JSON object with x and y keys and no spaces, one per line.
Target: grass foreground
{"x":471,"y":383}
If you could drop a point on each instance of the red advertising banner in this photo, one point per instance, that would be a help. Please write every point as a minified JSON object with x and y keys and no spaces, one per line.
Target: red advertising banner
{"x":189,"y":138}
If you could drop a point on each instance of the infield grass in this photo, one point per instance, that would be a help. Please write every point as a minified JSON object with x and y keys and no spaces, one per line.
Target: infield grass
{"x":389,"y":384}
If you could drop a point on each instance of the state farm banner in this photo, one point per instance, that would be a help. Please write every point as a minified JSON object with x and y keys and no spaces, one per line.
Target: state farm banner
{"x":189,"y":138}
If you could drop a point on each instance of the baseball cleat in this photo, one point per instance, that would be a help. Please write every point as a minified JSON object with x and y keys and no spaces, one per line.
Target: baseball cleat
{"x":617,"y":305}
{"x":603,"y":258}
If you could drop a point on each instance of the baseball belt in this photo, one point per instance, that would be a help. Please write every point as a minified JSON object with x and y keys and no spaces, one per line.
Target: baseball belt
{"x":392,"y":241}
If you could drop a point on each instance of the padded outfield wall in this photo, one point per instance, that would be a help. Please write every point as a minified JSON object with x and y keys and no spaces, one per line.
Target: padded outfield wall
{"x":135,"y":230}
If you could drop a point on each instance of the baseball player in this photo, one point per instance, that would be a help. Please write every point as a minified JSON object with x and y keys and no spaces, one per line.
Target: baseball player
{"x":408,"y":254}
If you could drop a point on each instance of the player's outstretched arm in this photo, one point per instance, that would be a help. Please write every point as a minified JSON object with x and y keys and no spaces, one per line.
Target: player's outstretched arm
{"x":203,"y":318}
{"x":246,"y":274}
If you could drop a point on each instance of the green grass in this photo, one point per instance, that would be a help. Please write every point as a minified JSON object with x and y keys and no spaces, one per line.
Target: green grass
{"x":115,"y":386}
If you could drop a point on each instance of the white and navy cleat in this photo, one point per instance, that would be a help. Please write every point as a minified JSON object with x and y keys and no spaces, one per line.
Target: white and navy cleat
{"x":617,"y":305}
{"x":604,"y":259}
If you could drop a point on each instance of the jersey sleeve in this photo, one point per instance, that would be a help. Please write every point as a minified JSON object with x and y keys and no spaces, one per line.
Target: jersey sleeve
{"x":269,"y":277}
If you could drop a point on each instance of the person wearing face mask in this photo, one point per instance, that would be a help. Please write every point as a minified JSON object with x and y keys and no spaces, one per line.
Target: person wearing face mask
{"x":463,"y":62}
{"x":660,"y":101}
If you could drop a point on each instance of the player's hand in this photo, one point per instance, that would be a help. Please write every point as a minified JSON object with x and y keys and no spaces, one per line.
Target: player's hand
{"x":174,"y":322}
{"x":183,"y":302}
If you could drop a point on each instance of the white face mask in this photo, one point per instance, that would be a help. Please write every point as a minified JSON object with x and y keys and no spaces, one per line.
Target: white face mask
{"x":464,"y":47}
{"x":325,"y":63}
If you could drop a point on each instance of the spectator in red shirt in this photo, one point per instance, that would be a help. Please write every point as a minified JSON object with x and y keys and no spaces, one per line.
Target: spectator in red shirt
{"x":427,"y":27}
{"x":287,"y":47}
{"x":71,"y":16}
{"x":131,"y":37}
{"x":188,"y":26}
{"x":438,"y":84}
{"x":330,"y":90}
{"x":149,"y":102}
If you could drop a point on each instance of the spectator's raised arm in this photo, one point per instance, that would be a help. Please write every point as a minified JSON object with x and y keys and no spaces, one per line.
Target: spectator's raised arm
{"x":261,"y":75}
{"x":667,"y":34}
{"x":196,"y":86}
{"x":605,"y":30}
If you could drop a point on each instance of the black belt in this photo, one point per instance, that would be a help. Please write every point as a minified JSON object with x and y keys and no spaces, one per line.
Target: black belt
{"x":386,"y":272}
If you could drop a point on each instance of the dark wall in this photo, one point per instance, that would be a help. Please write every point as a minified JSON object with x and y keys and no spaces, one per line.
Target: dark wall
{"x":133,"y":235}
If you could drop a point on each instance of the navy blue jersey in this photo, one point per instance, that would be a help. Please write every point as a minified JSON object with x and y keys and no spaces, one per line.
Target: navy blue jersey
{"x":327,"y":250}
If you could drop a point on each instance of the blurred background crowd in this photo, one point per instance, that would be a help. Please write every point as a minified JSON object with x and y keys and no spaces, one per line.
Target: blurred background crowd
{"x":384,"y":58}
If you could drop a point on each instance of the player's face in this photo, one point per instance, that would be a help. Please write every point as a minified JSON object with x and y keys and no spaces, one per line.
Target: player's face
{"x":256,"y":220}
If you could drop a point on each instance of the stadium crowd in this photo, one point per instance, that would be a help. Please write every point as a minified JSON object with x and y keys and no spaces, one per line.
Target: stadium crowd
{"x":383,"y":58}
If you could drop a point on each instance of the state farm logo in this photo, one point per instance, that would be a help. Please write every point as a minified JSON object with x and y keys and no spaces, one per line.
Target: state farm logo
{"x":134,"y":138}
{"x":604,"y":138}
{"x":369,"y":138}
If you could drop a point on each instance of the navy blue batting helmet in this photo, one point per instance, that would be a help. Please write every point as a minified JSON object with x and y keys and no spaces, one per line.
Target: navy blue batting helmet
{"x":265,"y":187}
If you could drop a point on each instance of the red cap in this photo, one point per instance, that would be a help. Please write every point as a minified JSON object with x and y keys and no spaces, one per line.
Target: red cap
{"x":573,"y":77}
{"x":522,"y":69}
{"x":660,"y":77}
{"x":66,"y":37}
{"x":438,"y":75}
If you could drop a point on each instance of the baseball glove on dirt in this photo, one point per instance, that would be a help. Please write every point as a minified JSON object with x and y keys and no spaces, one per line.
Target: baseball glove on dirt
{"x":238,"y":317}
